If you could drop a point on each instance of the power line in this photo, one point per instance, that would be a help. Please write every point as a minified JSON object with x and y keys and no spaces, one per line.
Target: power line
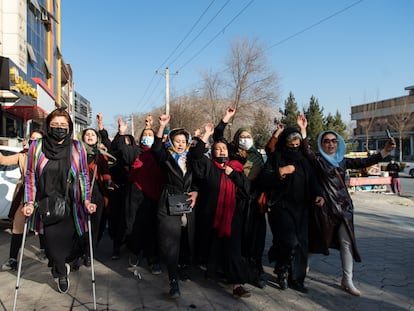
{"x":201,"y":31}
{"x":314,"y":25}
{"x":188,"y":33}
{"x":219,"y":33}
{"x":172,"y":53}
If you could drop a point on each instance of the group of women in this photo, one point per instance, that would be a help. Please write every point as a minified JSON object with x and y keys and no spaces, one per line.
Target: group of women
{"x":225,"y":188}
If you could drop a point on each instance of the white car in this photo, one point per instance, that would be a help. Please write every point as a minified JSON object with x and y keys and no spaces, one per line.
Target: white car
{"x":408,"y":169}
{"x":9,"y":175}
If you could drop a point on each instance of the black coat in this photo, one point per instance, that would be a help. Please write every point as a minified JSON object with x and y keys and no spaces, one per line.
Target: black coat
{"x":169,"y":227}
{"x":337,"y":198}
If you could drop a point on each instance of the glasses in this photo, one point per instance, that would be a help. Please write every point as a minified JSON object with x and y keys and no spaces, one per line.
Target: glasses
{"x":333,"y":140}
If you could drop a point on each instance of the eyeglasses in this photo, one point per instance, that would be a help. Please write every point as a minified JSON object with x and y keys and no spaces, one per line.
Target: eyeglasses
{"x":333,"y":140}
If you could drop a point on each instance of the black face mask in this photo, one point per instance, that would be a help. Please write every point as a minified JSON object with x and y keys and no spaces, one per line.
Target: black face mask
{"x":293,"y":149}
{"x":221,"y":160}
{"x":58,"y":133}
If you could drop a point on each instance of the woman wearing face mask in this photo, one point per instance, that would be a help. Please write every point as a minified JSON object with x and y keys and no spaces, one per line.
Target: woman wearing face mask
{"x":228,"y":191}
{"x":331,"y":165}
{"x":291,"y":188}
{"x":243,"y":148}
{"x":102,"y":183}
{"x":175,"y":233}
{"x":50,"y":161}
{"x":15,"y":212}
{"x":142,"y":199}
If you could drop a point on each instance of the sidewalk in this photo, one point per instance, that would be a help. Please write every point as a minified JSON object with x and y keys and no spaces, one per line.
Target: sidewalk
{"x":384,"y":229}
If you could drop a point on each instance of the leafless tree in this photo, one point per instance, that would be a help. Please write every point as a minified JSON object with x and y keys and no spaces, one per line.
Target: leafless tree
{"x":401,"y":120}
{"x":369,"y":120}
{"x":251,"y":80}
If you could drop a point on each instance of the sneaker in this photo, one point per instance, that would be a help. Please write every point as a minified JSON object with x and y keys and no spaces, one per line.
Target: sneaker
{"x":133,"y":260}
{"x":241,"y":292}
{"x":298,"y":286}
{"x":174,"y":289}
{"x":10,"y":265}
{"x":63,"y":284}
{"x":42,"y":254}
{"x":87,"y":261}
{"x":116,"y":254}
{"x":156,"y":269}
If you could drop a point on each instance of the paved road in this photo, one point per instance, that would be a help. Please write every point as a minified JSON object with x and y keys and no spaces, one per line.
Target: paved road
{"x":384,"y":228}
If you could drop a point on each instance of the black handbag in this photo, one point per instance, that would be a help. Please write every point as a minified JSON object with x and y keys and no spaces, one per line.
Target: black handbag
{"x":54,"y":208}
{"x":178,"y":204}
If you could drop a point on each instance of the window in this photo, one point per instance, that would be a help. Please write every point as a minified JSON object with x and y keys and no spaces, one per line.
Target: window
{"x":31,"y":53}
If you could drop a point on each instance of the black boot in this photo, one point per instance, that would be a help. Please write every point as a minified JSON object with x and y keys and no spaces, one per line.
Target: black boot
{"x":174,"y":289}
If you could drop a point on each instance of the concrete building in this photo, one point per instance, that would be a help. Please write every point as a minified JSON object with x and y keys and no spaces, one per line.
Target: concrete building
{"x":396,"y":114}
{"x":34,"y":76}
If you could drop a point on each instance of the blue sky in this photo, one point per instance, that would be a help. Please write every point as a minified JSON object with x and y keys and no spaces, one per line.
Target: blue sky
{"x":343,"y":52}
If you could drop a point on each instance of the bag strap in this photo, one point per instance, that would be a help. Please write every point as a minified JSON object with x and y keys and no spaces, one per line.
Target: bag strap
{"x":340,"y":178}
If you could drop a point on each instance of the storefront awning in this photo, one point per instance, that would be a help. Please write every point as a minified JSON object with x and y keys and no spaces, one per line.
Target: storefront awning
{"x":23,"y":107}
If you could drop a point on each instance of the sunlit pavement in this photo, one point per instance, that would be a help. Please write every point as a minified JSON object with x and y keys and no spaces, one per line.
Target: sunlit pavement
{"x":384,"y":229}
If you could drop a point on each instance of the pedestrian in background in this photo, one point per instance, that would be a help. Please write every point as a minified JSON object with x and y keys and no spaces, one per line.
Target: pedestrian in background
{"x":393,"y":168}
{"x":54,"y":163}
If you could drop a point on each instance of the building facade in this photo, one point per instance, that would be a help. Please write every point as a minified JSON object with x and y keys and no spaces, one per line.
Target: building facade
{"x":34,"y":76}
{"x":395,"y":114}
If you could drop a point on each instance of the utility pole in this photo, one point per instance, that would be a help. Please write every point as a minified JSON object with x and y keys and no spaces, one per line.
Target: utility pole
{"x":167,"y":91}
{"x":132,"y":125}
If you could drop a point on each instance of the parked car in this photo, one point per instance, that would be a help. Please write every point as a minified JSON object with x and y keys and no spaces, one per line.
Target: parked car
{"x":407,"y":169}
{"x":9,"y":175}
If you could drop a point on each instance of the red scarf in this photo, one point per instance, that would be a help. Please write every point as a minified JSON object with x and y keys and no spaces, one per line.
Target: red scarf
{"x":226,"y":201}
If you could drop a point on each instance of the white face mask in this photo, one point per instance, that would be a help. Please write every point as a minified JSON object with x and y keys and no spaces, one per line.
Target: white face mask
{"x":245,"y":143}
{"x":147,"y":141}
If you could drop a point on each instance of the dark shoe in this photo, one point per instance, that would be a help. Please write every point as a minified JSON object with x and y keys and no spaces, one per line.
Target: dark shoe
{"x":174,"y":289}
{"x":87,"y":261}
{"x":10,"y":265}
{"x":42,"y":255}
{"x":63,"y":284}
{"x":260,"y":283}
{"x":75,"y":264}
{"x":183,"y":272}
{"x":116,"y":254}
{"x":282,"y":280}
{"x":298,"y":286}
{"x":156,"y":269}
{"x":241,"y":292}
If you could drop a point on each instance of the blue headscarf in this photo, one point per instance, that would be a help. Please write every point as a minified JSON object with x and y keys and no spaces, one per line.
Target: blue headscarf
{"x":340,"y":151}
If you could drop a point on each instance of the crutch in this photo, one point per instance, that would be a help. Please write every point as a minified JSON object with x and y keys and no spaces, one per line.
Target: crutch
{"x":90,"y":243}
{"x":19,"y":269}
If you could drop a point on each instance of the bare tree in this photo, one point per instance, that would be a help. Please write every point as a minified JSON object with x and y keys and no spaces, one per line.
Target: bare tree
{"x":401,"y":120}
{"x":211,"y":90}
{"x":369,"y":120}
{"x":251,"y":81}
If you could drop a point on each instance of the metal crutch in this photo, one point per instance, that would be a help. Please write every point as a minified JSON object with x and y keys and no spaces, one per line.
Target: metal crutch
{"x":19,"y":270}
{"x":91,"y":245}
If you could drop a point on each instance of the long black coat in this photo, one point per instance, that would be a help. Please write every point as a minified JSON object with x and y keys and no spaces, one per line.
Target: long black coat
{"x":169,"y":227}
{"x":337,"y":198}
{"x":223,"y":252}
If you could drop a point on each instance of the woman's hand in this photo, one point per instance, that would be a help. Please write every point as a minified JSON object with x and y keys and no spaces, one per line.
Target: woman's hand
{"x":285,"y":170}
{"x":164,"y":119}
{"x":193,"y":197}
{"x":28,"y":209}
{"x":228,"y":114}
{"x":90,"y":207}
{"x":319,"y":201}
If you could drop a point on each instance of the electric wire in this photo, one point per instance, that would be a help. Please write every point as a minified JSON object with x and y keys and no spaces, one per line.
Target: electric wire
{"x":172,"y":53}
{"x":216,"y":36}
{"x":201,"y":31}
{"x":314,"y":25}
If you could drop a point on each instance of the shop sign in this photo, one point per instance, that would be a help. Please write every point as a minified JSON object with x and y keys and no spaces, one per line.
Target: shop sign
{"x":20,"y":85}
